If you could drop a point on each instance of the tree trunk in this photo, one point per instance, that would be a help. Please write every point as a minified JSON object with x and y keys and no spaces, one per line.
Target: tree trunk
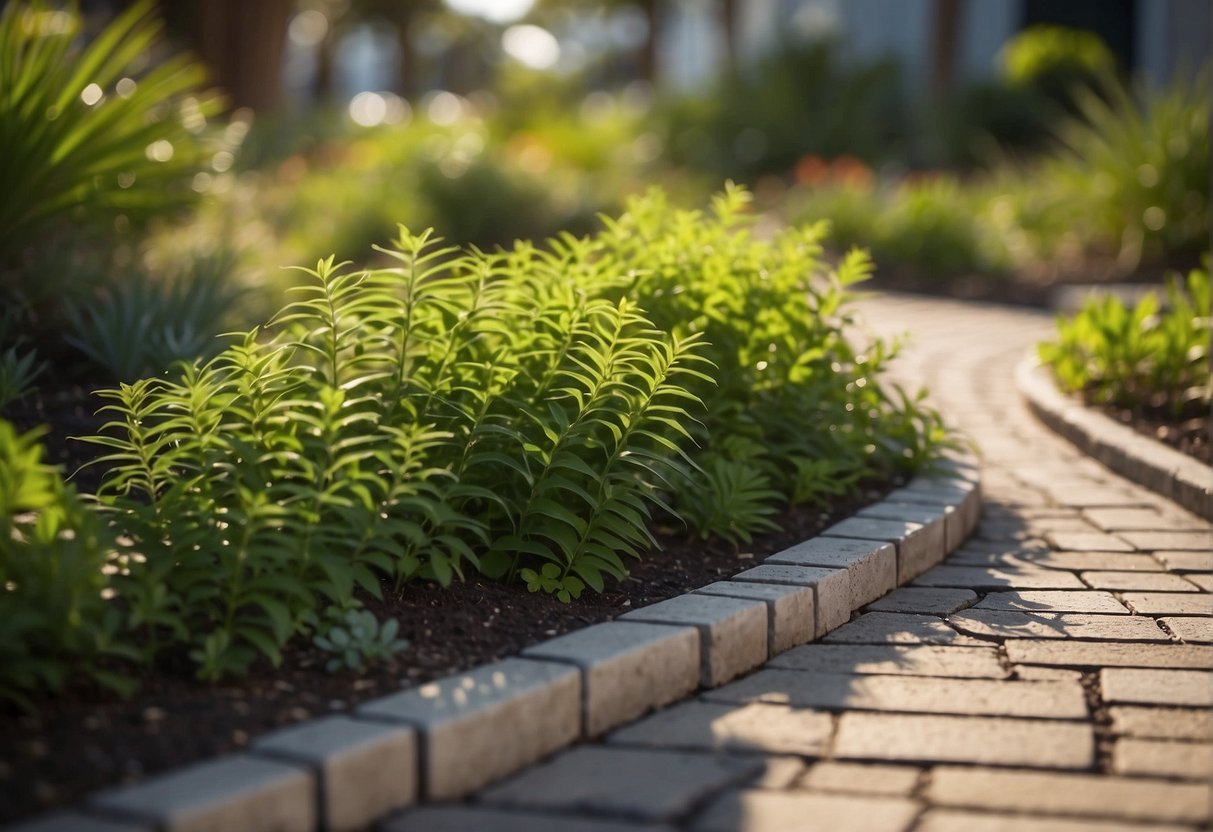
{"x":728,"y":25}
{"x":243,"y":43}
{"x":651,"y":45}
{"x":945,"y":35}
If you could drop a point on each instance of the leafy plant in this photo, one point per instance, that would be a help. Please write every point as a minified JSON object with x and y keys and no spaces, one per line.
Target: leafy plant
{"x":357,"y":639}
{"x":54,"y":560}
{"x":17,"y":374}
{"x":93,"y":132}
{"x":1154,"y":354}
{"x":451,"y":411}
{"x":141,"y":325}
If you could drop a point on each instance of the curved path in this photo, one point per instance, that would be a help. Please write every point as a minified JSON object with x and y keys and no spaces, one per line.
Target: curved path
{"x":1056,"y":673}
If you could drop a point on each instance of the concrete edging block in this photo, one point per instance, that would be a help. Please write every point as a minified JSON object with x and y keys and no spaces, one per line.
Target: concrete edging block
{"x":238,"y":791}
{"x":365,"y":769}
{"x":791,"y":619}
{"x":732,"y":631}
{"x":871,"y":564}
{"x":628,"y":668}
{"x":1153,"y":465}
{"x":478,"y":726}
{"x":472,"y":728}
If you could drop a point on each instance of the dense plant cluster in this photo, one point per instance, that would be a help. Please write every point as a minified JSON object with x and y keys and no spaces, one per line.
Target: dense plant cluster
{"x":521,"y":414}
{"x":1152,"y":355}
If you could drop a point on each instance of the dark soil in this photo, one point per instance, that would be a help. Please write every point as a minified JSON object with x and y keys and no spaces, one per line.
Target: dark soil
{"x":1190,"y":433}
{"x":86,"y":739}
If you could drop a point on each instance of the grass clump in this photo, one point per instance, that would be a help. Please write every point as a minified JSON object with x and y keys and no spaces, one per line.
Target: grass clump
{"x":1154,"y":355}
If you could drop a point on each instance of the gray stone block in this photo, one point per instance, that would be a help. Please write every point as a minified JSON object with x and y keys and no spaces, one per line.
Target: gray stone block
{"x":871,"y":564}
{"x":484,"y":724}
{"x":69,"y":821}
{"x":478,"y":819}
{"x":924,"y":514}
{"x":628,"y":668}
{"x":965,"y":500}
{"x":791,"y":619}
{"x":234,"y":792}
{"x":366,"y":769}
{"x":732,"y":631}
{"x":638,"y":783}
{"x":745,"y":729}
{"x":919,"y":547}
{"x":832,"y":588}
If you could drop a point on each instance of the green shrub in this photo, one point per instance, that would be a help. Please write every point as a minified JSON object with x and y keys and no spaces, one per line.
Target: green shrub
{"x":88,"y":133}
{"x":17,"y":374}
{"x":1149,"y":356}
{"x":514,"y":413}
{"x":54,"y":556}
{"x":1133,"y":177}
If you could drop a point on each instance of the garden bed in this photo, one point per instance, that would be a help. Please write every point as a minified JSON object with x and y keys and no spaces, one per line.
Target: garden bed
{"x":86,"y":738}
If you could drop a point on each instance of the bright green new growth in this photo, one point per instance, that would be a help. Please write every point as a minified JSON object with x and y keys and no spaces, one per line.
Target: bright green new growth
{"x":53,"y":556}
{"x":1153,"y":355}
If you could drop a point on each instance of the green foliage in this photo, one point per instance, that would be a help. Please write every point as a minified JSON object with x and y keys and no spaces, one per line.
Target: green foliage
{"x":1134,"y":173}
{"x":449,"y":412}
{"x":787,"y":385}
{"x":17,"y":375}
{"x":357,"y":639}
{"x":1055,"y":57}
{"x":93,"y":132}
{"x":54,"y":554}
{"x":732,"y":499}
{"x":1151,"y":355}
{"x":141,"y":326}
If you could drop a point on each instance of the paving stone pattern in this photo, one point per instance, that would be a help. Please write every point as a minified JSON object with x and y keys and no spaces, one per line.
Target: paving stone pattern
{"x":1056,"y":673}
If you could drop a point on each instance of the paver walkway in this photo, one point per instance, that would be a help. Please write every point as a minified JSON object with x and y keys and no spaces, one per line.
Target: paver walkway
{"x":1056,"y":673}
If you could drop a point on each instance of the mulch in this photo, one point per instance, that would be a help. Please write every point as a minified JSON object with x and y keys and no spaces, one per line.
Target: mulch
{"x":87,"y":738}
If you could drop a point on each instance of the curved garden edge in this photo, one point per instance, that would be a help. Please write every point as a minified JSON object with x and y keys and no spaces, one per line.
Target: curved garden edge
{"x":446,"y":739}
{"x":1151,"y":464}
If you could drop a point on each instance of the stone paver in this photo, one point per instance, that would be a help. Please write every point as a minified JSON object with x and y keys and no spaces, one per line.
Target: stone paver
{"x":1108,"y":654}
{"x":1169,"y":603}
{"x":995,"y":577}
{"x":916,"y":599}
{"x":485,"y":723}
{"x":1163,"y":758}
{"x":791,"y":619}
{"x":1137,"y":581}
{"x":898,"y":628}
{"x":1134,"y":519}
{"x":1088,"y":542}
{"x":1045,"y":600}
{"x":1205,"y":582}
{"x":1193,"y":541}
{"x":1186,"y":561}
{"x":758,"y":811}
{"x":1083,"y":795}
{"x":915,"y":694}
{"x":862,"y":778}
{"x":1012,"y":624}
{"x":234,"y":792}
{"x":832,"y":588}
{"x":1157,"y":687}
{"x":919,"y":547}
{"x":1195,"y":630}
{"x":965,"y":739}
{"x":71,"y":821}
{"x":732,"y":631}
{"x":627,"y":668}
{"x":366,"y":770}
{"x":1095,"y":561}
{"x":1162,"y":723}
{"x":947,"y":820}
{"x":871,"y":564}
{"x":622,"y":782}
{"x":895,"y":659}
{"x":758,"y":727}
{"x":479,"y":819}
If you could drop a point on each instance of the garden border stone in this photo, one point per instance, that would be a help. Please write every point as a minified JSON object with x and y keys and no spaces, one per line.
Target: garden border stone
{"x":1153,"y":465}
{"x":473,"y":728}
